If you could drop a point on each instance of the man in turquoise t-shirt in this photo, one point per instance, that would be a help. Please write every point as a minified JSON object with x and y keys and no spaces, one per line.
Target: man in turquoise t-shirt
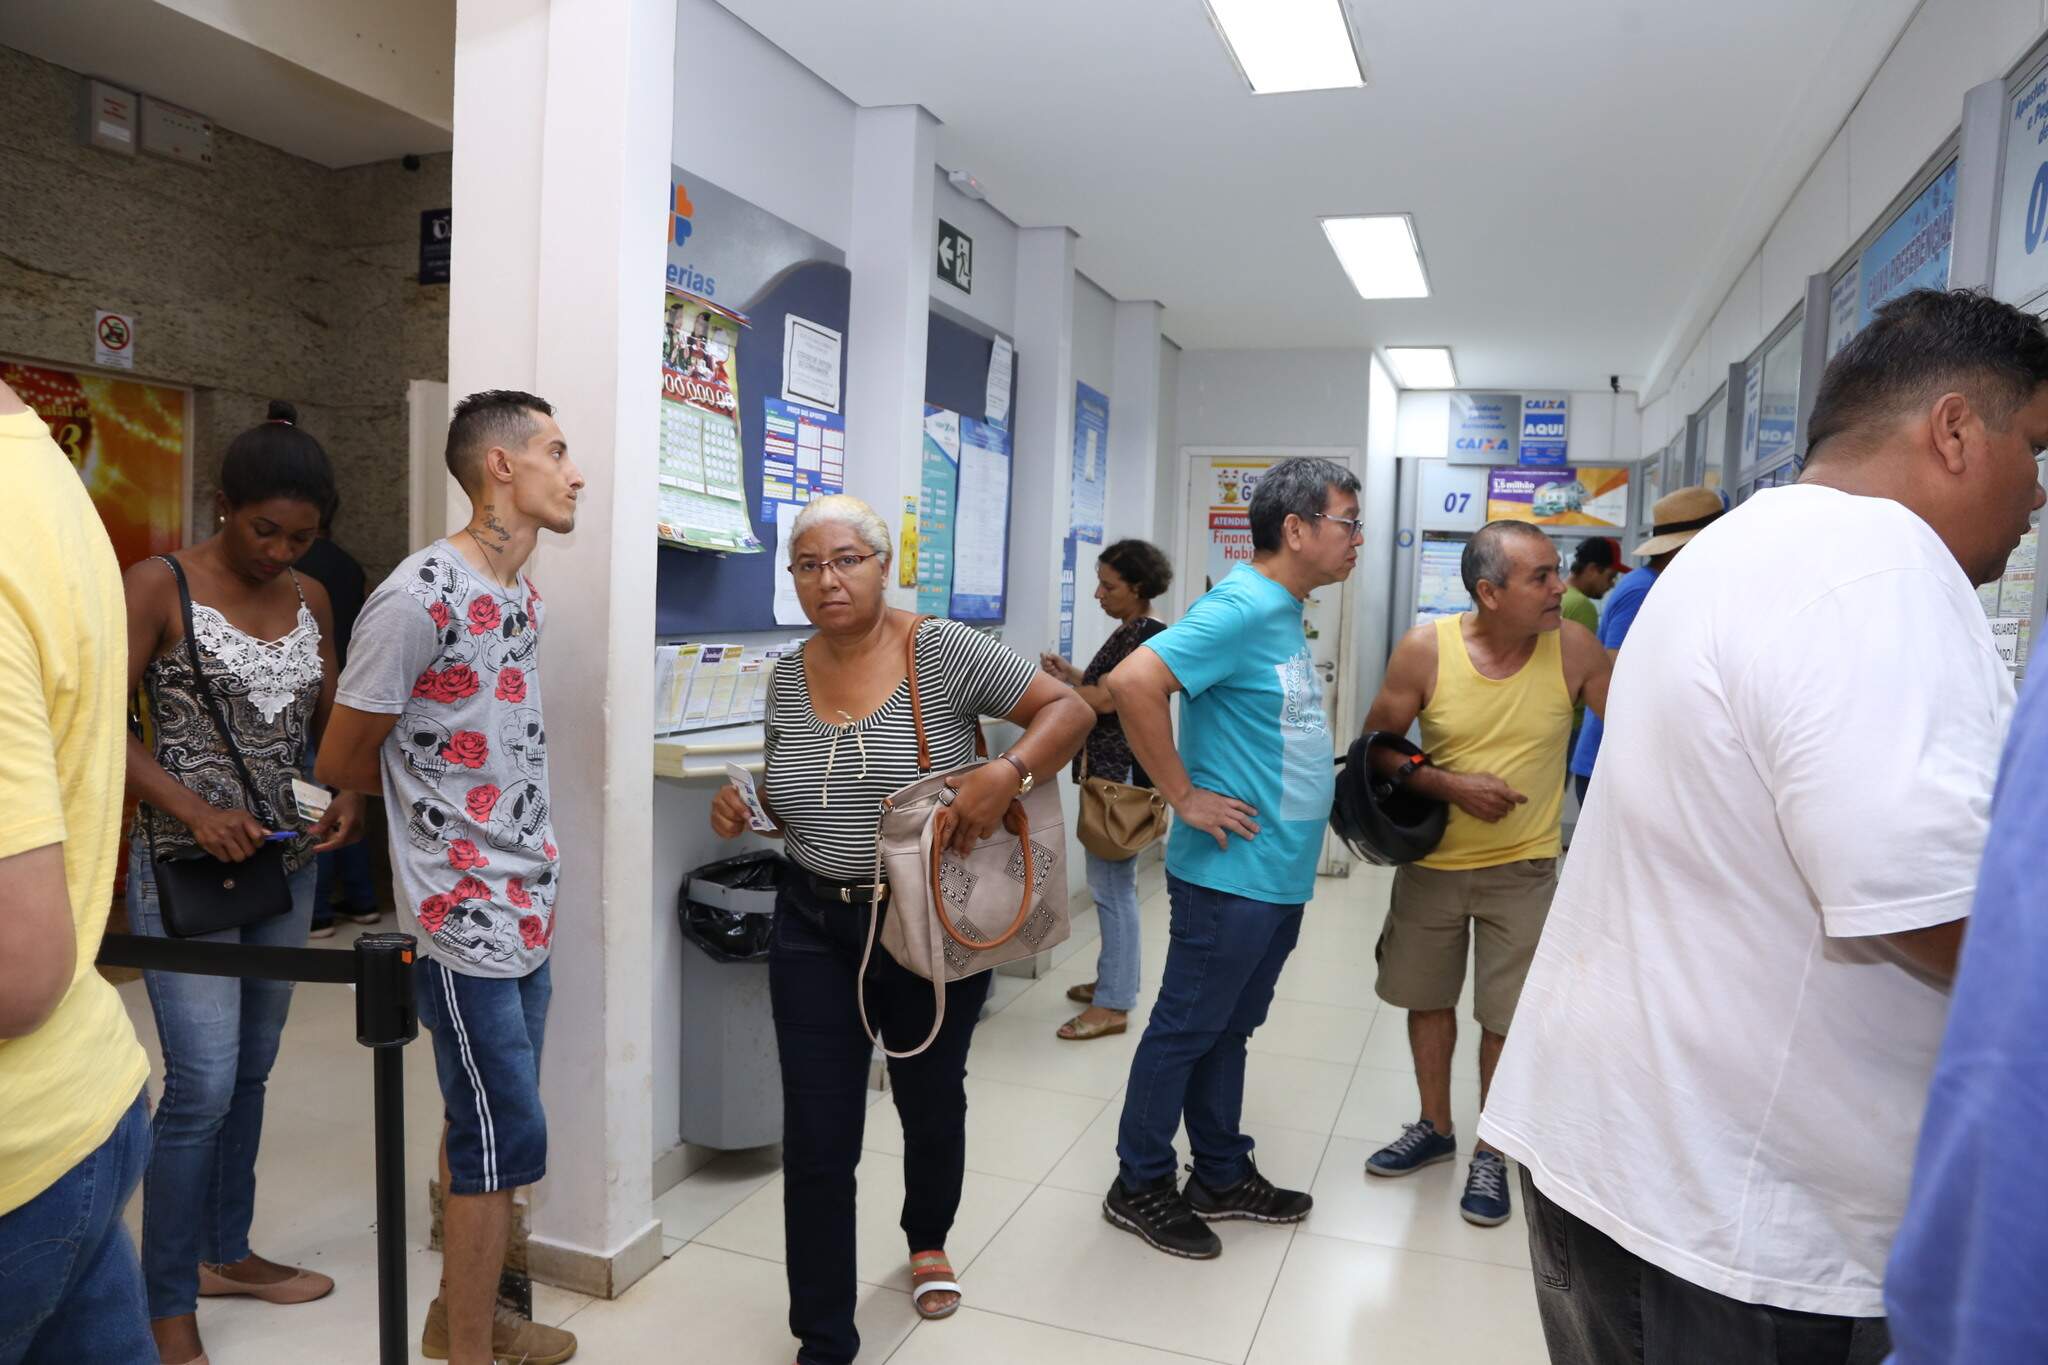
{"x":1250,"y":787}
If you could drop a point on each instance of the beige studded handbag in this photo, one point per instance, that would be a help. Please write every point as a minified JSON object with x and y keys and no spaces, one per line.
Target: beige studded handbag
{"x":951,"y":916}
{"x":1118,"y":820}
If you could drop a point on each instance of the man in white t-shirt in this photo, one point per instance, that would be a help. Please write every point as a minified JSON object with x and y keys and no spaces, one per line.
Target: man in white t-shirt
{"x":1723,"y":1047}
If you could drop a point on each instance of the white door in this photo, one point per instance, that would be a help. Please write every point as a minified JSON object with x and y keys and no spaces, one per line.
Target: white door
{"x":1216,"y":536}
{"x":438,"y":504}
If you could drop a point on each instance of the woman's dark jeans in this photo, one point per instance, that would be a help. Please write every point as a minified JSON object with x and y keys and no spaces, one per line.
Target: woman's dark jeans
{"x":813,"y":961}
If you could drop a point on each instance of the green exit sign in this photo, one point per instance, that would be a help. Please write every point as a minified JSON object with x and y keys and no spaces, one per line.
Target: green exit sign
{"x":956,"y":257}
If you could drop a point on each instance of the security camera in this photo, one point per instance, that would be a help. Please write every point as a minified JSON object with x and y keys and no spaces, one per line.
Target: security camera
{"x":410,"y":162}
{"x":1614,"y":382}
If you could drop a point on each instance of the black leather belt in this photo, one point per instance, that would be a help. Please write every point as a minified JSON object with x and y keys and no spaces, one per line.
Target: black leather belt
{"x":845,"y":893}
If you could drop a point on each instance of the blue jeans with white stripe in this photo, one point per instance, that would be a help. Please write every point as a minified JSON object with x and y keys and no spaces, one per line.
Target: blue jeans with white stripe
{"x":487,"y":1035}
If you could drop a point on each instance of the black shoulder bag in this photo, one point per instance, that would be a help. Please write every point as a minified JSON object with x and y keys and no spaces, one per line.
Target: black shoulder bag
{"x":198,"y":893}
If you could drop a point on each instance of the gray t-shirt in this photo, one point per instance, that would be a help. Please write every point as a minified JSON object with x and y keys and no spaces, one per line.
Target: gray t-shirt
{"x":466,"y":767}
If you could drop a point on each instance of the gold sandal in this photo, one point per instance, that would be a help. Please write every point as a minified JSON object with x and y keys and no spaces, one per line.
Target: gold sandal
{"x":1074,"y":1031}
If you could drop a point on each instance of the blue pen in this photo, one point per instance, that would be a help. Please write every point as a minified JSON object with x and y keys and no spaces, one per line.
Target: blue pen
{"x":280,"y":836}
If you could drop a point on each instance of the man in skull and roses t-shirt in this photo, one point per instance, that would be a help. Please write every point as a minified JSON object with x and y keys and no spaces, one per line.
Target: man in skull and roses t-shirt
{"x":465,"y":768}
{"x":439,"y":712}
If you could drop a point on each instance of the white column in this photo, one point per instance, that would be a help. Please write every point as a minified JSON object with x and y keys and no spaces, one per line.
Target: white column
{"x":1134,"y":421}
{"x":890,"y":255}
{"x":1044,"y":402}
{"x":560,"y":292}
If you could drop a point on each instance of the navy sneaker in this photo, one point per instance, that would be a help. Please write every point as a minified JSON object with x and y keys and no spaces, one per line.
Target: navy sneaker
{"x":1419,"y":1145}
{"x":1253,"y":1197}
{"x":1485,"y":1203}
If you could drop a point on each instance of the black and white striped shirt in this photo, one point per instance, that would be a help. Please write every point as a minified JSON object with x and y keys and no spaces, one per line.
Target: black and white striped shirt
{"x":825,"y":783}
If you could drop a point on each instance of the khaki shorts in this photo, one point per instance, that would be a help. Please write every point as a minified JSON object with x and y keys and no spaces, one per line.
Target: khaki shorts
{"x":1422,"y":949}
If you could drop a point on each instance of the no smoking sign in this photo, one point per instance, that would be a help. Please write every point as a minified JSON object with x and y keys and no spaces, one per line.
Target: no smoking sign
{"x":113,"y":340}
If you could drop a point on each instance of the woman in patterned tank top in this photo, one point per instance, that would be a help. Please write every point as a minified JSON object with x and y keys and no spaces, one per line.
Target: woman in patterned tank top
{"x":263,"y":637}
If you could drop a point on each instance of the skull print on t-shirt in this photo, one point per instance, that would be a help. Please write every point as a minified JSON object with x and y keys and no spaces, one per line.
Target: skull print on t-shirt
{"x":456,"y":659}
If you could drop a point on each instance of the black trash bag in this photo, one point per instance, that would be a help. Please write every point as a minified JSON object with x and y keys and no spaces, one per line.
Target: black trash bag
{"x":728,"y":908}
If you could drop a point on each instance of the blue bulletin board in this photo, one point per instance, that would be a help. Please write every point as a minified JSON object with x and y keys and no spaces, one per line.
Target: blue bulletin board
{"x":698,"y":593}
{"x":956,"y":378}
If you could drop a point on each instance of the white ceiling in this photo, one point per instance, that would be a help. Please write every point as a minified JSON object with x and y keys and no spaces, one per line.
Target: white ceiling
{"x":243,"y":85}
{"x":1587,"y":177}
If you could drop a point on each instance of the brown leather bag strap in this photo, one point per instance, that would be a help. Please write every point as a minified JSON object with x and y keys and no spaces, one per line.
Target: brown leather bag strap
{"x":1019,"y":824}
{"x":924,"y":751}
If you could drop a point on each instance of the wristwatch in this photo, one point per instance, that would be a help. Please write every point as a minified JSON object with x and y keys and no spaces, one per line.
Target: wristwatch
{"x":1022,"y":772}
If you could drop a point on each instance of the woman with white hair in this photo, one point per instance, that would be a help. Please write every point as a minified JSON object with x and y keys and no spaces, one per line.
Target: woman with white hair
{"x":840,"y":738}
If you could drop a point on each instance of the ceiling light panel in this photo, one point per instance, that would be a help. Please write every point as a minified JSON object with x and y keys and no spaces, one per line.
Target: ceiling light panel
{"x":1286,"y":45}
{"x":1423,"y":367}
{"x":1380,"y":255}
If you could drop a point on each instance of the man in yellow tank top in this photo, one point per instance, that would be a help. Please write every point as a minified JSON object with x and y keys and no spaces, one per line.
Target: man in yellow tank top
{"x":1494,"y":690}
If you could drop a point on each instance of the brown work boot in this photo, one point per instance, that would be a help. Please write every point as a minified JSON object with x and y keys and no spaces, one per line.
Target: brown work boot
{"x":514,"y":1340}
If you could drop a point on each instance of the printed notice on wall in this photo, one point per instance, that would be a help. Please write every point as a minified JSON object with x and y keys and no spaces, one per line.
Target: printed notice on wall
{"x":1231,"y":483}
{"x":938,"y":489}
{"x":1000,"y":362}
{"x":811,"y":353}
{"x":981,"y":538}
{"x":702,"y":501}
{"x":1581,"y":496}
{"x":1091,"y":463}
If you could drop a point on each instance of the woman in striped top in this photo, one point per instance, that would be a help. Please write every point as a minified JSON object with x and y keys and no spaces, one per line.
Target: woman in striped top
{"x":840,"y":738}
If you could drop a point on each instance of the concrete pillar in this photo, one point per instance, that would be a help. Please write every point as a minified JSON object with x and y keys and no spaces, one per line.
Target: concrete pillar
{"x":1042,"y":480}
{"x":1135,"y":420}
{"x":560,"y":292}
{"x":890,"y":255}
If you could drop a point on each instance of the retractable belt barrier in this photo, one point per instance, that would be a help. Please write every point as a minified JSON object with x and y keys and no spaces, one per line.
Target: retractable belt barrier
{"x":380,"y":969}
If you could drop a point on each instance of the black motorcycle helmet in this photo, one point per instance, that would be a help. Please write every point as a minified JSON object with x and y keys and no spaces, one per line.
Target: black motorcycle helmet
{"x":1380,"y":818}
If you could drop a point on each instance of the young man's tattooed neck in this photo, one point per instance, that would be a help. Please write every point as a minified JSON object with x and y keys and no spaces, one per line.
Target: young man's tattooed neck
{"x":495,"y":529}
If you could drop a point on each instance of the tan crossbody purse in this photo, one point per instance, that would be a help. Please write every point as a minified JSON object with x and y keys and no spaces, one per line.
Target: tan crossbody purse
{"x":1118,"y":820}
{"x":955,"y":916}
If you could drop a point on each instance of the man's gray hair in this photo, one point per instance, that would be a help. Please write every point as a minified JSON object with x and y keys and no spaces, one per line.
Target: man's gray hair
{"x":1486,"y":555}
{"x":1298,"y":487}
{"x":843,"y":510}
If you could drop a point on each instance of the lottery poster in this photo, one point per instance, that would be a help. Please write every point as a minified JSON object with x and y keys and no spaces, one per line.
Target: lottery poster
{"x":703,"y":500}
{"x":126,"y":440}
{"x":1570,"y":495}
{"x":1230,"y":523}
{"x":803,"y":454}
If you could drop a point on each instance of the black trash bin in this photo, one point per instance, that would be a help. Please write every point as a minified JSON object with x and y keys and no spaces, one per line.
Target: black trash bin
{"x":732,"y":1082}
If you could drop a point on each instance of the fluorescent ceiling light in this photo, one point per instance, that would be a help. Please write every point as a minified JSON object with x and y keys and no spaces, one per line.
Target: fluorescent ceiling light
{"x":1423,"y":367}
{"x":1287,"y":45}
{"x":1380,"y":255}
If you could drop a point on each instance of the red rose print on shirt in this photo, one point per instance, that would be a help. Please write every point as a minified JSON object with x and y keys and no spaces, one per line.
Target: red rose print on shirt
{"x":516,"y":892}
{"x":464,"y":856}
{"x":482,"y":801}
{"x":434,"y":913}
{"x":511,"y":684}
{"x":470,"y":889}
{"x":483,"y":616}
{"x":533,"y":932}
{"x":467,"y":749}
{"x":549,"y":849}
{"x":439,"y":611}
{"x":448,"y":686}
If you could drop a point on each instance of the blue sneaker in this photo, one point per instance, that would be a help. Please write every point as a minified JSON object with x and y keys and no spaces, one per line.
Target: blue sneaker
{"x":1486,"y":1191}
{"x":1419,"y":1145}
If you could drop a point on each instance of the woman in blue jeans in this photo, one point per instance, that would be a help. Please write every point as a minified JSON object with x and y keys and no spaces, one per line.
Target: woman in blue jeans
{"x":262,"y":636}
{"x":1129,"y":575}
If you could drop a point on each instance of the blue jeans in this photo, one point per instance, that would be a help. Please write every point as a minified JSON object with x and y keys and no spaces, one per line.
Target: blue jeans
{"x":1115,"y":888}
{"x":1222,"y":963}
{"x":219,"y":1037}
{"x":70,"y":1290}
{"x":350,"y":869}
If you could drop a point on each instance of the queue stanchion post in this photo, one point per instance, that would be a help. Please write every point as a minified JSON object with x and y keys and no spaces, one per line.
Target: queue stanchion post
{"x":386,"y":1020}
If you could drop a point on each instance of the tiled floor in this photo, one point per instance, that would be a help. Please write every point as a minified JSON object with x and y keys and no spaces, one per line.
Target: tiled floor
{"x":1382,"y":1271}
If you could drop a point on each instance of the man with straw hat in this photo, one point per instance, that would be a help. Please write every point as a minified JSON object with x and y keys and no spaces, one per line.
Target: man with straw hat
{"x":1677,"y":517}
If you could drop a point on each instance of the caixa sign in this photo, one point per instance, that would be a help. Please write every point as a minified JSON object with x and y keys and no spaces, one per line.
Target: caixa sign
{"x":1481,"y":443}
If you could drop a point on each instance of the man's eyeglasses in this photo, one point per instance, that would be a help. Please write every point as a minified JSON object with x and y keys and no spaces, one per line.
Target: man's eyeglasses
{"x":841,"y":566}
{"x":1354,"y":526}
